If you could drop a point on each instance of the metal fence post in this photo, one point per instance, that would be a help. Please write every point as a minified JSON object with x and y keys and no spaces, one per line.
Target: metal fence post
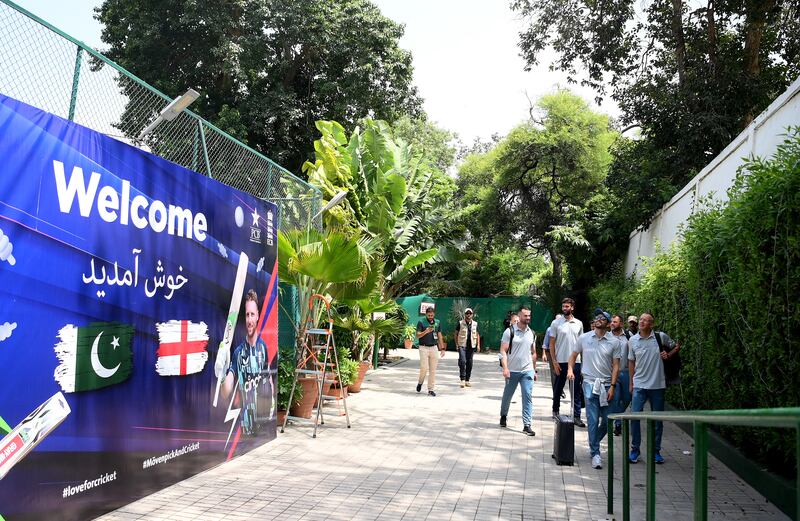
{"x":73,"y":98}
{"x":611,"y":466}
{"x":205,"y":149}
{"x":700,"y":471}
{"x":196,"y":146}
{"x":651,"y":470}
{"x":626,"y":471}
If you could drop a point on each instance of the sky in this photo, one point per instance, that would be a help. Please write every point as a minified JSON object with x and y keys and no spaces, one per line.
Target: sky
{"x":466,"y":60}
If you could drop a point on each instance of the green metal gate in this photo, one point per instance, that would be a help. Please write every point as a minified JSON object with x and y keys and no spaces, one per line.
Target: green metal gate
{"x":489,"y":313}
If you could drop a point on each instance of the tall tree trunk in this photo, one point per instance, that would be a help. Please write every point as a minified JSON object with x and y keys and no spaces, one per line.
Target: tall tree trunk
{"x":756,"y":22}
{"x":680,"y":44}
{"x":711,"y":28}
{"x":555,"y":282}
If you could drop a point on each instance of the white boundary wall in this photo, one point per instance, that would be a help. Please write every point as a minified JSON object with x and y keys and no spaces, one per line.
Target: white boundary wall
{"x":760,"y":138}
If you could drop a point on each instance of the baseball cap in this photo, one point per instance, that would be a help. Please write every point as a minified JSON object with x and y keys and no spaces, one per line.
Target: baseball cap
{"x":468,"y":310}
{"x":605,"y":314}
{"x":633,"y":318}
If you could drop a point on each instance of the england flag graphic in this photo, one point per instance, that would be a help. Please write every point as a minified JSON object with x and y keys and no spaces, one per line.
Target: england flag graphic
{"x":182,"y":347}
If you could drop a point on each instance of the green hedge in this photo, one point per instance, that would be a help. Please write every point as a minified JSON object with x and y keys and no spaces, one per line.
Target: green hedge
{"x":730,"y":291}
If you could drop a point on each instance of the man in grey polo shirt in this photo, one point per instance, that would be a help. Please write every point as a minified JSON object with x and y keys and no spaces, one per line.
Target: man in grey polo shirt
{"x":648,"y":383}
{"x":519,"y":367}
{"x":623,"y":393}
{"x":600,"y":352}
{"x":564,"y":333}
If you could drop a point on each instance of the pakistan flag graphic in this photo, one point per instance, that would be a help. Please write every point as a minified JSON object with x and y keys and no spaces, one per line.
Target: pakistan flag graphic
{"x":93,"y":356}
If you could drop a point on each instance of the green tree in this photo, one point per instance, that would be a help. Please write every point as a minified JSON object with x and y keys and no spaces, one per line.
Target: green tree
{"x":437,"y":149}
{"x":691,"y":76}
{"x":266,"y":69}
{"x":532,"y":189}
{"x":325,"y":263}
{"x":388,"y":185}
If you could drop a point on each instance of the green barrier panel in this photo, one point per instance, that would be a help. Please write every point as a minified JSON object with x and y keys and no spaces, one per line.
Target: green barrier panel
{"x":489,"y":313}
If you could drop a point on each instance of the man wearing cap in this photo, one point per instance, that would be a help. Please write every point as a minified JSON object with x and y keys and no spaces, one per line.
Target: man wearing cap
{"x":633,"y":325}
{"x":466,"y":338}
{"x":623,"y":380}
{"x":600,"y":353}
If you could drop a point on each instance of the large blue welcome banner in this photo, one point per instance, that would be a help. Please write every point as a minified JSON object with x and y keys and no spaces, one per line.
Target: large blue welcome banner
{"x":138,"y":319}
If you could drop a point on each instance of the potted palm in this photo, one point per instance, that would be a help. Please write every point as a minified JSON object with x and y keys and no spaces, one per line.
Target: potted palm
{"x":286,"y":365}
{"x":326,"y":263}
{"x":360,"y":319}
{"x":348,"y":368}
{"x":329,"y":263}
{"x":409,"y":332}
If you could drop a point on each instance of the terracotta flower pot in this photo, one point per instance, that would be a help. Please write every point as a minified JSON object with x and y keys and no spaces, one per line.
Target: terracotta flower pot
{"x":281,"y":416}
{"x":407,"y":343}
{"x":326,"y":386}
{"x":363,"y":367}
{"x":309,"y":401}
{"x":338,"y":392}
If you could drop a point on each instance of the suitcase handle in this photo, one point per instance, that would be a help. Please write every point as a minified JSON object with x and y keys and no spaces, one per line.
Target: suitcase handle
{"x":572,"y":397}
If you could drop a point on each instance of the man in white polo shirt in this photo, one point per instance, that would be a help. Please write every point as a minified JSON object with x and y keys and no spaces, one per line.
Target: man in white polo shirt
{"x":600,"y":352}
{"x":623,"y":393}
{"x":564,"y":333}
{"x":648,"y":382}
{"x":518,"y":358}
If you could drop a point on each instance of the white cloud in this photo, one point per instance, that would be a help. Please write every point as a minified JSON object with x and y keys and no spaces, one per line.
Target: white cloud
{"x":6,"y":329}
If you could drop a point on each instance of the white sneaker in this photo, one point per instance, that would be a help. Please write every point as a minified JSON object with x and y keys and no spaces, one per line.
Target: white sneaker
{"x":597,"y":463}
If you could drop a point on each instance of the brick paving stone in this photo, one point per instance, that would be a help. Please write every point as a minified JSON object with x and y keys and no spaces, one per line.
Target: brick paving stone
{"x":412,"y":456}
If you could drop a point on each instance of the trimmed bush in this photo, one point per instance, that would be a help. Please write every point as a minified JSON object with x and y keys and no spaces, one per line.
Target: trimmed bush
{"x":729,"y":291}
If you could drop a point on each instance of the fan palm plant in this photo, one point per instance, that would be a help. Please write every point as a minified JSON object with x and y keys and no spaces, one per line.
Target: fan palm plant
{"x":327,"y":263}
{"x":358,"y":318}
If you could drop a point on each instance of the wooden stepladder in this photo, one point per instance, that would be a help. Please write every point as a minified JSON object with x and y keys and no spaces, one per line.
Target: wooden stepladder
{"x":318,"y":359}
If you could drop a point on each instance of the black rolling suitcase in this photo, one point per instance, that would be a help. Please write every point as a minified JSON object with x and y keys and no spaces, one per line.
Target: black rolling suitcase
{"x":564,"y":438}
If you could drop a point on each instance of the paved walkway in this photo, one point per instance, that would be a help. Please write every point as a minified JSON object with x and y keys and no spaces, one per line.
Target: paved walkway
{"x":413,"y":456}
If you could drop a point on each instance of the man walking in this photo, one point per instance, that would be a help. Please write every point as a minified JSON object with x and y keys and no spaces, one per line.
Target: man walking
{"x":431,"y":344}
{"x":646,"y":353}
{"x":549,"y":359}
{"x":466,"y":337}
{"x":623,"y":392}
{"x":513,"y":318}
{"x":564,"y":333}
{"x":633,"y":325}
{"x":600,"y":352}
{"x":518,"y":352}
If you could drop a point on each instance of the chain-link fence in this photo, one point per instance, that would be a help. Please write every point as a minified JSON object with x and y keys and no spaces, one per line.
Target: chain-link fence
{"x":44,"y":67}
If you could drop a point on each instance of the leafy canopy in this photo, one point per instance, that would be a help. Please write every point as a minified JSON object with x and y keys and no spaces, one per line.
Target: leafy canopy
{"x":266,"y":69}
{"x":532,"y":189}
{"x":690,"y":75}
{"x":387,"y":183}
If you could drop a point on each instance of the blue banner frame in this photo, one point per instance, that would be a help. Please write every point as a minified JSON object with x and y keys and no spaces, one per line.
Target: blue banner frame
{"x":117,"y":274}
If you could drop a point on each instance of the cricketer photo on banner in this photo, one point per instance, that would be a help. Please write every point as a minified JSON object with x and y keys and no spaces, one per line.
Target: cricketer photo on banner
{"x":138,"y":319}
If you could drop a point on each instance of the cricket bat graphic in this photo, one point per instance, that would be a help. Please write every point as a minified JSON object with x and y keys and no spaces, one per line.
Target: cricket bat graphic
{"x":224,"y":351}
{"x":30,"y":431}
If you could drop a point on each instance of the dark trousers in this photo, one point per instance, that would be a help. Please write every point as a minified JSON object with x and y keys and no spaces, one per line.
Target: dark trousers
{"x":560,"y":381}
{"x":465,"y":362}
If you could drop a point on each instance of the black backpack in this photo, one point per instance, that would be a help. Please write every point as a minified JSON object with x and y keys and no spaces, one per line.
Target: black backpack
{"x":510,"y":343}
{"x":672,"y":365}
